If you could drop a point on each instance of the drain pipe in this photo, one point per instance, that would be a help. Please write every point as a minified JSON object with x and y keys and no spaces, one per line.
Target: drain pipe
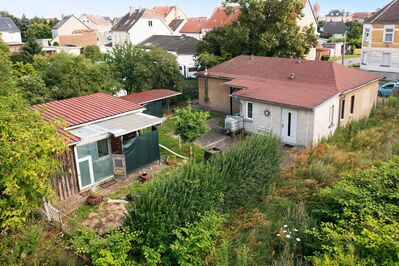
{"x":206,"y":86}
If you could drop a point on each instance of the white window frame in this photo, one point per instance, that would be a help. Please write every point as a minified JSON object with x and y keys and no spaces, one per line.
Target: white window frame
{"x":331,"y":116}
{"x":247,"y":112}
{"x":367,"y":34}
{"x":385,"y":34}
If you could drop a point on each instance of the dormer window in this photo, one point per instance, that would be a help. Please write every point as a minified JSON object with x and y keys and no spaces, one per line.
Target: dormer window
{"x":150,"y":23}
{"x":388,"y":35}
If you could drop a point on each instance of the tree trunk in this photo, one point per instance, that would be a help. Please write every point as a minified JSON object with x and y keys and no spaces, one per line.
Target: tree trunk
{"x":191,"y":150}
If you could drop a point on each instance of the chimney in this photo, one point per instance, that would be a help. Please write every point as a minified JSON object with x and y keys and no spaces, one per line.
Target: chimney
{"x":299,"y":61}
{"x":252,"y":57}
{"x":132,"y":10}
{"x":62,"y":16}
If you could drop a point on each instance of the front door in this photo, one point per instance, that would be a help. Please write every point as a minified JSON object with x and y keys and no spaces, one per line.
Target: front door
{"x":289,"y":126}
{"x":86,"y":176}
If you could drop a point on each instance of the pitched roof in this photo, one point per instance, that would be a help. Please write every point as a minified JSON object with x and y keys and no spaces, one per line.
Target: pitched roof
{"x":164,"y":10}
{"x":64,"y":20}
{"x":336,"y":13}
{"x":220,"y":18}
{"x":129,"y":20}
{"x":337,"y":27}
{"x":86,"y":109}
{"x":361,"y":15}
{"x":8,"y":25}
{"x":268,"y":79}
{"x":175,"y":24}
{"x":178,"y":44}
{"x":389,"y":14}
{"x":150,"y":96}
{"x":193,"y":26}
{"x":98,"y":20}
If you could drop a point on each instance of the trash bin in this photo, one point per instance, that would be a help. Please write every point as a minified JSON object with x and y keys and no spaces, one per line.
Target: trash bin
{"x":208,"y":154}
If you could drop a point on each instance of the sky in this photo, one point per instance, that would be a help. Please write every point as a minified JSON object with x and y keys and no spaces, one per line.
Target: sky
{"x":113,"y":8}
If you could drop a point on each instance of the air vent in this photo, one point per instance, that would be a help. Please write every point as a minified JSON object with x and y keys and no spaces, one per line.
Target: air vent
{"x":291,"y":76}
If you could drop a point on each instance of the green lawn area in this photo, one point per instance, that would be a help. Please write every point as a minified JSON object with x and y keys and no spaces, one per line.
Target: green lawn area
{"x":165,"y":138}
{"x":335,"y":59}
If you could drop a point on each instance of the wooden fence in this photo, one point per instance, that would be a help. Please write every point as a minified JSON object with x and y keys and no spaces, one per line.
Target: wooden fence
{"x":66,"y":185}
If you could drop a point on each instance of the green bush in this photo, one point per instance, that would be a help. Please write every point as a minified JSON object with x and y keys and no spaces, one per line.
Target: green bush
{"x":31,"y":245}
{"x":239,"y":178}
{"x":325,"y":57}
{"x":360,"y":215}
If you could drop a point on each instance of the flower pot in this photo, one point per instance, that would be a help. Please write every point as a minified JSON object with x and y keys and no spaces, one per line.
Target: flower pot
{"x":95,"y":200}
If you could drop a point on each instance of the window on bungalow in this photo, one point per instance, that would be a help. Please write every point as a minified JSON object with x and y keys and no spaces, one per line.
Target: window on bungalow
{"x":150,"y":23}
{"x":352,"y":104}
{"x":102,"y":148}
{"x":250,"y":107}
{"x":342,"y":109}
{"x":364,"y":58}
{"x":366,"y":35}
{"x":331,"y":116}
{"x":388,"y":36}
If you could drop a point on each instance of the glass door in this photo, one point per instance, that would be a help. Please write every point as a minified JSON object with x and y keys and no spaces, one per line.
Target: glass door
{"x":86,"y":177}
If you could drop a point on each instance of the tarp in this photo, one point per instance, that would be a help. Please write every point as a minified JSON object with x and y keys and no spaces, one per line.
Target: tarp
{"x":141,"y":150}
{"x":154,"y":109}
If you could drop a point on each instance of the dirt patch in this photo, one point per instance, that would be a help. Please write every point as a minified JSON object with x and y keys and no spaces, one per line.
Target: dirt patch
{"x":108,"y":216}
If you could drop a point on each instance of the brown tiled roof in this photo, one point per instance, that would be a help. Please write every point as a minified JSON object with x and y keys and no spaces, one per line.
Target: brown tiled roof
{"x":268,"y":79}
{"x":219,"y":17}
{"x":389,"y":14}
{"x":163,"y":10}
{"x":193,"y":26}
{"x":361,"y":15}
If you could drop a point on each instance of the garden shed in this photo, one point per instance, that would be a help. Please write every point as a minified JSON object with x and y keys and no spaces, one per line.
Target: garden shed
{"x":107,"y":136}
{"x":152,"y":100}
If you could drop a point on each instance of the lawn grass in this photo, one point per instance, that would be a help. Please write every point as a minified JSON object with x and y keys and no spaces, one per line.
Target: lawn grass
{"x":335,"y":59}
{"x":166,"y":138}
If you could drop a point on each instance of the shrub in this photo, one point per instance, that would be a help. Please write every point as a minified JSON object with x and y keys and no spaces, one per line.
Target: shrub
{"x":325,"y":57}
{"x":31,"y":245}
{"x":361,"y":212}
{"x":240,"y":177}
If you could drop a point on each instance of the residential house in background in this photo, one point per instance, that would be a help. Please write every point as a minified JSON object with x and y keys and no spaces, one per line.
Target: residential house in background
{"x":70,"y":31}
{"x":380,"y":49}
{"x":302,"y":101}
{"x":335,"y":29}
{"x":338,"y":15}
{"x":222,"y":16}
{"x":101,"y":25}
{"x":10,"y":34}
{"x":138,"y":25}
{"x":193,"y":27}
{"x":361,"y":16}
{"x":108,"y":138}
{"x":183,"y":47}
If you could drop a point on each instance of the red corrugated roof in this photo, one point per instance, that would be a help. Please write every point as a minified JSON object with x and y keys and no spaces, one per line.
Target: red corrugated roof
{"x":267,"y":79}
{"x":150,"y":96}
{"x":85,"y":109}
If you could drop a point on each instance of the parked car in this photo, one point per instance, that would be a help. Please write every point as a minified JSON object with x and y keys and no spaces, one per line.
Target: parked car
{"x":386,"y":90}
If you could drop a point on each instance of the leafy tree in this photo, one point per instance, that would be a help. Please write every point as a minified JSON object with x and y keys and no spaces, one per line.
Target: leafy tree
{"x":68,"y":76}
{"x":164,"y":69}
{"x":191,"y":125}
{"x":354,"y":33}
{"x":267,"y":28}
{"x":28,"y":146}
{"x":39,"y":31}
{"x":93,"y":52}
{"x":27,"y":52}
{"x":139,"y":70}
{"x":127,"y":67}
{"x":207,"y":60}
